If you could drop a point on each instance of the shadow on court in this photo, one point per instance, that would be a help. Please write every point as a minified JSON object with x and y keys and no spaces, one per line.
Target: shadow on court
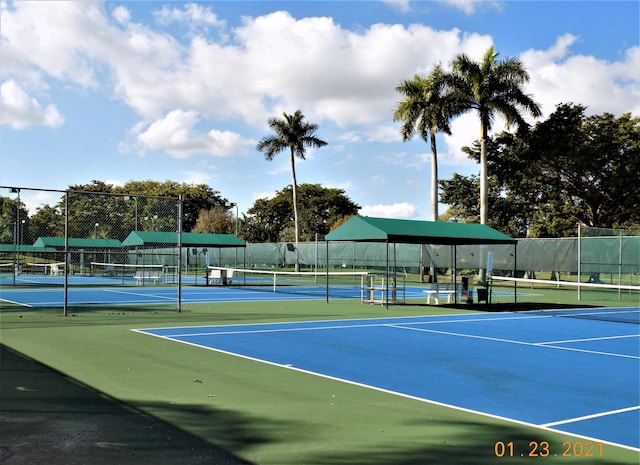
{"x":467,"y":443}
{"x":48,"y":418}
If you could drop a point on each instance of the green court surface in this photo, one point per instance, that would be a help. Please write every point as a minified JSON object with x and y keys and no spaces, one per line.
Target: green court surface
{"x":86,"y":389}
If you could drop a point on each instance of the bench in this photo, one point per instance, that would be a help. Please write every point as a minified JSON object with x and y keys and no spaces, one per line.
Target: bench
{"x":220,"y":276}
{"x":154,"y":276}
{"x":448,"y":289}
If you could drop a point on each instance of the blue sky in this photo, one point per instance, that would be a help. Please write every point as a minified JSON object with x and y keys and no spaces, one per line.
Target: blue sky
{"x":181,"y":91}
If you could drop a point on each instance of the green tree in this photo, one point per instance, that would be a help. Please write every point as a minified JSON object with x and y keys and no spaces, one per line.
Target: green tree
{"x":321,"y":208}
{"x":195,"y":198}
{"x":217,"y":220}
{"x":425,"y":111}
{"x":294,"y":133}
{"x":10,"y":211}
{"x":566,"y":170}
{"x":492,"y":88}
{"x":591,"y":164}
{"x":47,"y":221}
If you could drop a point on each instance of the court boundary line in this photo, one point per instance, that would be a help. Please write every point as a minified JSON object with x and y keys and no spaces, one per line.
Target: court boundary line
{"x":568,"y":341}
{"x":594,"y":415}
{"x":534,"y":344}
{"x":20,"y":304}
{"x":386,"y":391}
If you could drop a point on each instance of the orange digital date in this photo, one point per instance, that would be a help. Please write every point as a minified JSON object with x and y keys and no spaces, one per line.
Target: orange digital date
{"x":544,"y":449}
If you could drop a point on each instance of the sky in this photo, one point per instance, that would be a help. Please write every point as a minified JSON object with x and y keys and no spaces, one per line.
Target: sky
{"x":119,"y":91}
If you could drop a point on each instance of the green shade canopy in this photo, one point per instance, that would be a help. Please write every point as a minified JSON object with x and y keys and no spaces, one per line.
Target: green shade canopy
{"x":78,"y":243}
{"x":155,"y":238}
{"x":369,"y":229}
{"x":24,"y":248}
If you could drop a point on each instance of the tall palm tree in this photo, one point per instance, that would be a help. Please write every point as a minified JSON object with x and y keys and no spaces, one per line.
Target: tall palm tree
{"x":425,"y":111}
{"x":493,"y":88}
{"x":294,"y":133}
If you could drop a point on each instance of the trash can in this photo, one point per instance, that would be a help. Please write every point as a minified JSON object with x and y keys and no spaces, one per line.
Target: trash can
{"x":483,"y":295}
{"x":467,"y":290}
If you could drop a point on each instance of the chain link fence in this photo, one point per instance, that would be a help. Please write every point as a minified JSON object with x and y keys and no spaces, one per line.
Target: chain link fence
{"x":82,"y":250}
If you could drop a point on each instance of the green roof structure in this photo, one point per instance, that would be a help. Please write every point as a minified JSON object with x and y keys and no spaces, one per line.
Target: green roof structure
{"x":154,"y":238}
{"x":78,"y":243}
{"x":396,"y":231}
{"x":24,"y":248}
{"x":370,"y":229}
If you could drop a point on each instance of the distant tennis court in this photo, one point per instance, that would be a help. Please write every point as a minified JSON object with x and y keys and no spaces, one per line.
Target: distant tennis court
{"x":573,"y":375}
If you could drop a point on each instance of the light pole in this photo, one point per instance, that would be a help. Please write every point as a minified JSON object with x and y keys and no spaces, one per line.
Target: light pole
{"x":16,"y":190}
{"x":135,"y":199}
{"x":230,"y":204}
{"x":95,"y":230}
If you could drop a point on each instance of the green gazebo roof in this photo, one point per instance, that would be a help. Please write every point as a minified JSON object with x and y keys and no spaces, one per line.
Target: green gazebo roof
{"x":77,"y":243}
{"x":369,"y":229}
{"x":149,"y":238}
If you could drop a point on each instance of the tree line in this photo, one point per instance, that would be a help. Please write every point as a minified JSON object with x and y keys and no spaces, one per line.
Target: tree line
{"x":107,"y":211}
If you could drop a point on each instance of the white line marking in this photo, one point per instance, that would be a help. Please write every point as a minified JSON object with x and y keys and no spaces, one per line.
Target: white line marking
{"x":567,"y":341}
{"x":387,"y":391}
{"x":16,"y":303}
{"x":510,"y":341}
{"x":589,"y":417}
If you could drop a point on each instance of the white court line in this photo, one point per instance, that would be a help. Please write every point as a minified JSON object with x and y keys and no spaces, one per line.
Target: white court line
{"x":140,"y":294}
{"x":279,"y":330}
{"x":16,"y":303}
{"x":567,"y":341}
{"x":511,"y":341}
{"x":339,"y":326}
{"x":386,"y":391}
{"x":589,"y":417}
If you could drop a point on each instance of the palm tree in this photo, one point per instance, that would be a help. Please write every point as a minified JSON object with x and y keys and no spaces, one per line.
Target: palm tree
{"x":492,"y":87}
{"x":425,"y":111}
{"x":293,"y":132}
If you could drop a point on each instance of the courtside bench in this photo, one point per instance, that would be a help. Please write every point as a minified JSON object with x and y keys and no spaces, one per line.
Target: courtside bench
{"x":448,"y":289}
{"x":219,"y":276}
{"x":154,"y":276}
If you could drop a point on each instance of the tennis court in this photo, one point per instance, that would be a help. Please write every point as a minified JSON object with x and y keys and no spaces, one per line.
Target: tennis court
{"x":573,"y":375}
{"x":103,"y":294}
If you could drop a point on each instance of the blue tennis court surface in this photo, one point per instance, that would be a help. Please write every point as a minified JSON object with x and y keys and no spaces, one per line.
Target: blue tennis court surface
{"x":570,"y":375}
{"x":98,"y":292}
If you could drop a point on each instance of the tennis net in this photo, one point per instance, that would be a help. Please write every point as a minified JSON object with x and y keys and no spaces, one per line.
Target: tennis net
{"x":336,"y":284}
{"x":607,"y":302}
{"x":129,"y":273}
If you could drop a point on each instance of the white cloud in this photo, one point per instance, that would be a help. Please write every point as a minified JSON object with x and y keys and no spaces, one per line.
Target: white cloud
{"x":44,"y":36}
{"x":401,"y":5}
{"x":197,"y":177}
{"x":264,"y":195}
{"x":471,"y":6}
{"x":20,"y":111}
{"x":176,"y":134}
{"x":273,"y":63}
{"x":121,"y":14}
{"x":396,"y":210}
{"x":559,"y":77}
{"x":191,"y":13}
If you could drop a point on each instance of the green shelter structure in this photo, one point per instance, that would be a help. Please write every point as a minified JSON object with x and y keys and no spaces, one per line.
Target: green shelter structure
{"x":155,"y":247}
{"x":395,"y":231}
{"x":58,"y":243}
{"x":79,"y":250}
{"x":151,"y":239}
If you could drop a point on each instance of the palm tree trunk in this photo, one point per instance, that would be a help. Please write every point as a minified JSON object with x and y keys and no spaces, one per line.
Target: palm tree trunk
{"x":294,"y":189}
{"x":483,"y":181}
{"x":434,"y":177}
{"x":482,"y":275}
{"x":434,"y":192}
